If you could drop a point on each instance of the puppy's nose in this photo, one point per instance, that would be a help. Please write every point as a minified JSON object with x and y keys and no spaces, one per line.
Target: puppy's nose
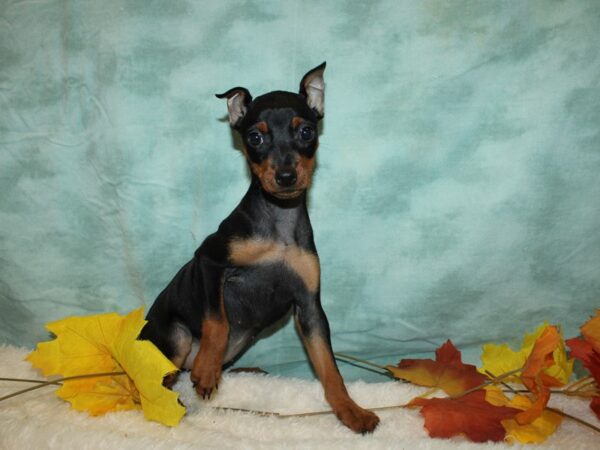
{"x":286,"y":177}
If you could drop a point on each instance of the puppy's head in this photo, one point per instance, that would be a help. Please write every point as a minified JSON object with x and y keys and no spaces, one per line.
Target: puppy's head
{"x":279,"y":132}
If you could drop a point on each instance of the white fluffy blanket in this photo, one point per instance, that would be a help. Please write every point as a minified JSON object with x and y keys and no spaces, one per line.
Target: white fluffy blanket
{"x":40,"y":420}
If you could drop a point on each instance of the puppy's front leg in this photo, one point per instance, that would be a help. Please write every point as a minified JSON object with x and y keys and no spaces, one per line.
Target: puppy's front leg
{"x":206,"y":370}
{"x":314,"y":329}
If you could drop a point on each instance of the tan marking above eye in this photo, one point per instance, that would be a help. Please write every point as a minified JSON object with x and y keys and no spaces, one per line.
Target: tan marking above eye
{"x":296,"y":121}
{"x":246,"y":252}
{"x":262,"y":127}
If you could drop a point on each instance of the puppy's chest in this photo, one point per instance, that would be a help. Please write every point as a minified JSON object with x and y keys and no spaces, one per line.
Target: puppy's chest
{"x":265,"y":255}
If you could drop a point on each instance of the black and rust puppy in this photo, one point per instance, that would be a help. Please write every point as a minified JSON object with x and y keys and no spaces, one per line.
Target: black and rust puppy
{"x":262,"y":261}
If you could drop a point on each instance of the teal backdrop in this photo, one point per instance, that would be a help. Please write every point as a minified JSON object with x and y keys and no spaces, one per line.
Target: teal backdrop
{"x":457,"y":193}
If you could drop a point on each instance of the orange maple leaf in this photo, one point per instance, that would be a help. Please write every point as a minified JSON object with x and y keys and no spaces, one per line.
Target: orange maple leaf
{"x":447,"y":372}
{"x":470,"y":415}
{"x":591,"y":331}
{"x":535,"y":432}
{"x":533,"y":377}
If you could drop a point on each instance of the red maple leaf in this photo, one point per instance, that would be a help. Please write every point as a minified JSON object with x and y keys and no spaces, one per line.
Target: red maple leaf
{"x":585,"y":352}
{"x":447,"y":372}
{"x":595,"y":405}
{"x":470,"y":415}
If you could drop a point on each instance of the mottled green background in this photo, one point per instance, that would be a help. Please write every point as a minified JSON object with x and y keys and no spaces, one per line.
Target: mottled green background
{"x":458,"y":183}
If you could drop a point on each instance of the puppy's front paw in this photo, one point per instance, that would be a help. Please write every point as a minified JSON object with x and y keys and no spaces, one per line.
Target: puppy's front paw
{"x":357,"y":419}
{"x":205,"y":378}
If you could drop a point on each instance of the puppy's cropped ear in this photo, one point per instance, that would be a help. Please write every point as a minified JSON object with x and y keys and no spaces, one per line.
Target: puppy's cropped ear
{"x":238,"y":100}
{"x":312,"y":87}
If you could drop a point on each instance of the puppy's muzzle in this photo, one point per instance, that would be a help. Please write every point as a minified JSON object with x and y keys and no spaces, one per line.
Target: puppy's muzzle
{"x":286,"y":177}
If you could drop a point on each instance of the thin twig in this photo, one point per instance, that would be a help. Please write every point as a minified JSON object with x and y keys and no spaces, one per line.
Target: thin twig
{"x":576,"y":419}
{"x":363,"y":361}
{"x":26,"y":380}
{"x":319,"y":413}
{"x":368,"y":369}
{"x":581,"y":394}
{"x":378,"y":408}
{"x":496,"y":380}
{"x":251,"y":411}
{"x":576,"y":389}
{"x":306,"y":414}
{"x":429,"y":392}
{"x":586,"y":387}
{"x":48,"y":383}
{"x":554,"y":410}
{"x":582,"y":382}
{"x":486,"y":383}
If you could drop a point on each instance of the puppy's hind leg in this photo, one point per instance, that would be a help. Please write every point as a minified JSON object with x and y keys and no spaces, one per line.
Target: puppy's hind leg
{"x":173,"y":340}
{"x":181,"y":340}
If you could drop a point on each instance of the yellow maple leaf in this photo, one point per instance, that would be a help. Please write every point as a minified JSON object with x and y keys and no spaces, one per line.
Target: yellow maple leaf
{"x":108,"y":343}
{"x":115,"y":393}
{"x":500,"y":358}
{"x":81,"y":346}
{"x":147,"y":367}
{"x":532,"y":433}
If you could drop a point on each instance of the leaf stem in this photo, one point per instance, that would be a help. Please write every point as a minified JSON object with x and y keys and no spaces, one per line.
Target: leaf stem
{"x":579,"y":384}
{"x":576,"y":419}
{"x":379,"y":408}
{"x":554,"y":410}
{"x":570,"y":390}
{"x":51,"y":382}
{"x":586,"y":387}
{"x":363,"y":361}
{"x":305,"y":414}
{"x":582,"y":394}
{"x":495,"y":380}
{"x":27,"y":380}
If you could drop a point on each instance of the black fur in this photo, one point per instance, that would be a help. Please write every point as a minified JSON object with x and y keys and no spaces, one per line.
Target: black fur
{"x":240,"y":298}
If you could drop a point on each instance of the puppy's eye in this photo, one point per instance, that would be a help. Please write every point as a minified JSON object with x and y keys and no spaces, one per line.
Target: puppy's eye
{"x":254,"y":139}
{"x":307,"y":133}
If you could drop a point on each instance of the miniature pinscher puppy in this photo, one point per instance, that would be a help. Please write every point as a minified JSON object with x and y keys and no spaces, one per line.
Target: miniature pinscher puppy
{"x":262,"y":260}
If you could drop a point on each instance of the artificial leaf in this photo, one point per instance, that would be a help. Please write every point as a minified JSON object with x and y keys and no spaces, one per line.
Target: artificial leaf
{"x":595,"y":405}
{"x":115,"y":393}
{"x":498,"y":359}
{"x":587,"y":350}
{"x":533,"y":433}
{"x":81,"y":347}
{"x":147,"y":367}
{"x":447,"y":372}
{"x":533,"y":376}
{"x":591,"y":331}
{"x":108,"y":343}
{"x":582,"y":350}
{"x":470,"y":415}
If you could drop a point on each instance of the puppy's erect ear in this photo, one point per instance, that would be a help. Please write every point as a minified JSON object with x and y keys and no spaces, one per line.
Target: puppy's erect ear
{"x":238,"y":100}
{"x":312,"y":87}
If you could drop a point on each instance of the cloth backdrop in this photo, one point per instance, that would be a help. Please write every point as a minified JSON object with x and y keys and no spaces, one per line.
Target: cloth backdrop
{"x":457,"y":190}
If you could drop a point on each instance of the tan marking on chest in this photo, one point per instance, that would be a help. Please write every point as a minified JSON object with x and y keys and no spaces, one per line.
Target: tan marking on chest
{"x":247,"y":252}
